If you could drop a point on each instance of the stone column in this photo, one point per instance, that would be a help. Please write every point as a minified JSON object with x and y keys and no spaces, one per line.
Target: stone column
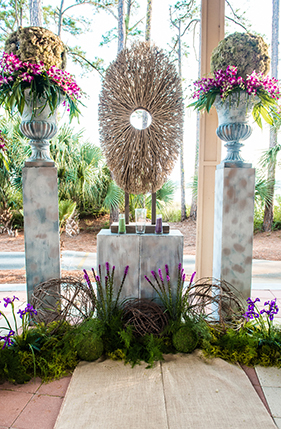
{"x":41,"y":225}
{"x":212,"y":32}
{"x":233,"y":227}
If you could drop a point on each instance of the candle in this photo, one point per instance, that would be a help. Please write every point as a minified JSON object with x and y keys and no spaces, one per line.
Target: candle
{"x":158,"y":226}
{"x":122,"y":225}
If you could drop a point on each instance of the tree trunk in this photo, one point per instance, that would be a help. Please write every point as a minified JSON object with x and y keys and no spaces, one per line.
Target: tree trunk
{"x":60,"y":13}
{"x":35,"y":13}
{"x":114,"y":213}
{"x":193,"y":208}
{"x":182,"y":174}
{"x":148,"y":21}
{"x":268,"y":210}
{"x":121,"y":26}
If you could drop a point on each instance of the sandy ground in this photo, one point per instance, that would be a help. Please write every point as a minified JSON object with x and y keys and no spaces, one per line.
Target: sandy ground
{"x":265,"y":245}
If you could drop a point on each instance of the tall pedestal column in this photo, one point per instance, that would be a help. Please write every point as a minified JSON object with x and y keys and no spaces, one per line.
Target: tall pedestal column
{"x":233,"y":227}
{"x":41,"y":225}
{"x":212,"y":32}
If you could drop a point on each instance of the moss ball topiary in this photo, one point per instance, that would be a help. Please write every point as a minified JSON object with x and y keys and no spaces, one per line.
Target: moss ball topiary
{"x":89,"y":348}
{"x":35,"y":44}
{"x":245,"y":51}
{"x":185,"y":340}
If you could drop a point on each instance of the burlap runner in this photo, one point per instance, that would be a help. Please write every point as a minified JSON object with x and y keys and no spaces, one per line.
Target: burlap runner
{"x":185,"y":391}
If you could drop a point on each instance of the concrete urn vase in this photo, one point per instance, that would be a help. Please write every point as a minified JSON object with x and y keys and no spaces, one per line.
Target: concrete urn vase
{"x":233,"y":116}
{"x":39,"y":127}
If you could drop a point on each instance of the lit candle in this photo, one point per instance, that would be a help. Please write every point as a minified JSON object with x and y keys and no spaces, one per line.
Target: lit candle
{"x":122,"y":225}
{"x":158,"y":226}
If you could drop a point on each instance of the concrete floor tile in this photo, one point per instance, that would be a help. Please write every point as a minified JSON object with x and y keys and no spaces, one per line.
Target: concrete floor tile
{"x":41,"y":412}
{"x":277,"y":293}
{"x":278,"y":422}
{"x":273,"y":397}
{"x":31,"y":387}
{"x":55,"y":388}
{"x":262,"y":294}
{"x":269,"y":377}
{"x":12,"y":403}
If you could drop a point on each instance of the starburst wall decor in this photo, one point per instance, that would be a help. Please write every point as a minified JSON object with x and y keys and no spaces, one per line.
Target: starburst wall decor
{"x":141,"y":79}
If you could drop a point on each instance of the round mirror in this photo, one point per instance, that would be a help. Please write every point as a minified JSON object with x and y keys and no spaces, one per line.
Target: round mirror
{"x":140,"y":119}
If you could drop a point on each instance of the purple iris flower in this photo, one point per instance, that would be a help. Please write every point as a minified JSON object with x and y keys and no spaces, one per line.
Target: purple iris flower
{"x":8,"y":341}
{"x":9,"y":300}
{"x":28,"y":309}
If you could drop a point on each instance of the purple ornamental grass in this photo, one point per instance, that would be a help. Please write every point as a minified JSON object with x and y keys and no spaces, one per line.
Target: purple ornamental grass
{"x":192,"y":278}
{"x":86,"y":277}
{"x":167,"y":269}
{"x":160,"y":275}
{"x":126,"y":270}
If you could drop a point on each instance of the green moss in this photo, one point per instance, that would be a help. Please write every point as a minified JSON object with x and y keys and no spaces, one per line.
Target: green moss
{"x":90,"y":348}
{"x":185,"y":340}
{"x":245,"y":51}
{"x":35,"y":44}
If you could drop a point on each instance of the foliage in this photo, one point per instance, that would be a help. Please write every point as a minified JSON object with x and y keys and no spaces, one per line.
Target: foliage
{"x":172,"y":212}
{"x":277,"y":214}
{"x":46,"y":87}
{"x":175,"y":303}
{"x":66,"y":211}
{"x":227,"y":83}
{"x":164,"y":199}
{"x":258,"y":217}
{"x":107,"y":304}
{"x":83,"y":176}
{"x":257,"y":342}
{"x":16,"y":151}
{"x":28,"y":352}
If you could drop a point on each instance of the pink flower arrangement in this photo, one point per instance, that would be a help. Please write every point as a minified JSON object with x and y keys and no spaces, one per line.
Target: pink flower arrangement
{"x":227,"y":81}
{"x":16,"y":76}
{"x":224,"y":83}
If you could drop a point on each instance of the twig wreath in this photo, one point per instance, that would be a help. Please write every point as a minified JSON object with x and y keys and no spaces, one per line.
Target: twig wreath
{"x":141,"y":78}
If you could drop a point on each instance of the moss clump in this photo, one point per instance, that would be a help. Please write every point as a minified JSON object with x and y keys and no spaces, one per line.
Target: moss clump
{"x":245,"y":51}
{"x":35,"y":44}
{"x":185,"y":340}
{"x":90,"y":348}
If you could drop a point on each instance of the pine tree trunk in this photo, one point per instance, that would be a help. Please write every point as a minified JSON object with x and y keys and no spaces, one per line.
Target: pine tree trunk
{"x":35,"y":13}
{"x":268,"y":211}
{"x":182,"y":173}
{"x":193,"y":208}
{"x":121,"y":25}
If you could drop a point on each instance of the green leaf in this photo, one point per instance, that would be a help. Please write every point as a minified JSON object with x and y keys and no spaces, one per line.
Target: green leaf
{"x":266,"y":115}
{"x":257,"y":115}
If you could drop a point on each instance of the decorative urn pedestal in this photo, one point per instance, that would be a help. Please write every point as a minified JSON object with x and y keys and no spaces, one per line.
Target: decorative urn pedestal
{"x":40,"y":199}
{"x":234,"y":198}
{"x":233,"y":116}
{"x":39,"y":127}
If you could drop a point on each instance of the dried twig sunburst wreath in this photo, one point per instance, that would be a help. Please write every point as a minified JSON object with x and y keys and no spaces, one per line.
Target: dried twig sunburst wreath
{"x":141,"y":78}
